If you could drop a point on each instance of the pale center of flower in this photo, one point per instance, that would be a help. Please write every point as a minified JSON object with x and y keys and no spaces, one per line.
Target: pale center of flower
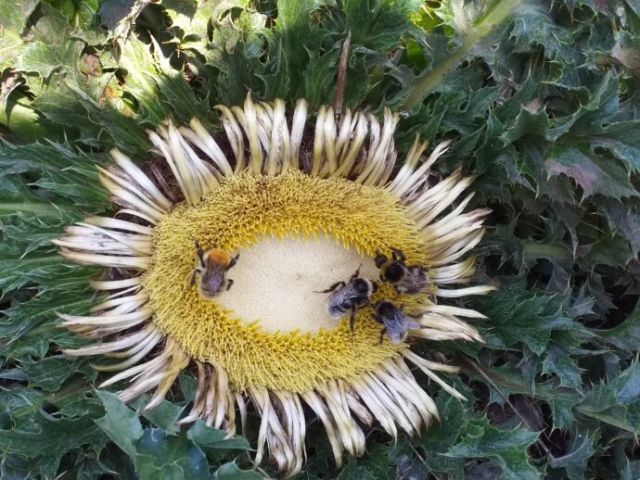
{"x":276,"y":282}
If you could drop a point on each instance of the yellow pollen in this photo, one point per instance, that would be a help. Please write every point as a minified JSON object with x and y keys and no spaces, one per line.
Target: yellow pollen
{"x":295,"y":234}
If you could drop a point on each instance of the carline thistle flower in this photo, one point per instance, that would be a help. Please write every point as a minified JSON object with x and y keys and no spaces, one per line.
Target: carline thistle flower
{"x":304,"y":208}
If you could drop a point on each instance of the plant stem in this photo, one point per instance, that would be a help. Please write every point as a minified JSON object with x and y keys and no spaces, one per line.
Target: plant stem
{"x":558,"y":254}
{"x":32,"y":207}
{"x":485,"y":26}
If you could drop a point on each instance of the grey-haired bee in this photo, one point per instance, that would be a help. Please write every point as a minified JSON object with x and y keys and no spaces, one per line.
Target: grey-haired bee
{"x":405,"y":470}
{"x":396,"y":322}
{"x":350,"y":296}
{"x":212,"y":268}
{"x":405,"y":278}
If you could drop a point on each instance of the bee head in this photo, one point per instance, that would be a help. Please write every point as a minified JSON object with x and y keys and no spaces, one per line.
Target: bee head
{"x":363,"y":286}
{"x":385,"y":308}
{"x":394,"y":272}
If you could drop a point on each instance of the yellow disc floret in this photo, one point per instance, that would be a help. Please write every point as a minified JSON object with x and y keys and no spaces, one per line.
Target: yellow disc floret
{"x":244,"y":211}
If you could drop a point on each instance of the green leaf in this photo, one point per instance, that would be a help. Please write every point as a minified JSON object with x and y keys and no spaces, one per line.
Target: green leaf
{"x":524,"y":317}
{"x":561,"y":401}
{"x":43,"y":58}
{"x":507,"y":448}
{"x":590,"y":118}
{"x":51,"y":372}
{"x":58,"y":170}
{"x":622,"y":218}
{"x":17,"y":467}
{"x":159,"y":456}
{"x":575,"y":461}
{"x":532,"y":120}
{"x":165,"y":415}
{"x":454,"y":421}
{"x":27,"y":328}
{"x":15,"y":15}
{"x":594,"y":175}
{"x":617,"y":403}
{"x":558,"y":362}
{"x":230,"y":471}
{"x":612,"y":251}
{"x":205,"y":436}
{"x":625,"y":336}
{"x":39,"y":54}
{"x":631,"y":470}
{"x":118,"y":15}
{"x":375,"y":465}
{"x":35,"y":427}
{"x":120,"y":423}
{"x":621,"y":140}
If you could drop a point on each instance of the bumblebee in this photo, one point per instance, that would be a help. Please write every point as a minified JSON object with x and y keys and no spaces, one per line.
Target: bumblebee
{"x":396,"y":322}
{"x":212,"y":268}
{"x":405,"y":470}
{"x":349,"y":296}
{"x":405,"y":278}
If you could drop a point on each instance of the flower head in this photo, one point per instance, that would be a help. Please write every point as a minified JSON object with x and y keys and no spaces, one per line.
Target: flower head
{"x":303,"y":211}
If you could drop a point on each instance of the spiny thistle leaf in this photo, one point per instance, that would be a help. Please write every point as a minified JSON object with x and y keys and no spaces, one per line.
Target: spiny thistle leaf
{"x":45,"y":430}
{"x":205,"y":436}
{"x":508,"y":448}
{"x":575,"y":461}
{"x":626,"y":336}
{"x":156,"y":452}
{"x":28,"y":326}
{"x":593,"y":175}
{"x":230,"y":471}
{"x":120,"y":423}
{"x":529,"y":318}
{"x":618,"y":402}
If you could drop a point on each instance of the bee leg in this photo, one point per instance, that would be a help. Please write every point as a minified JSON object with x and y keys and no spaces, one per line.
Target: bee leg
{"x":200,"y":252}
{"x":382,"y":332}
{"x":380,"y":259}
{"x":192,"y":280}
{"x":357,"y":274}
{"x":352,"y":320}
{"x":233,"y":261}
{"x":398,"y":254}
{"x":332,"y":287}
{"x":377,"y":318}
{"x":229,"y":283}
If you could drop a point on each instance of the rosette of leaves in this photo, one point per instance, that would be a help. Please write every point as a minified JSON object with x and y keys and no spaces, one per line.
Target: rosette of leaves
{"x":540,"y":101}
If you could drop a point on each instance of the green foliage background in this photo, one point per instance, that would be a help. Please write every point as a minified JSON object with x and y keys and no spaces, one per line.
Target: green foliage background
{"x":542,"y":102}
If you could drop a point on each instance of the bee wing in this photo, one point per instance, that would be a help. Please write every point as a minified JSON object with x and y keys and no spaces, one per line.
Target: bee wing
{"x":416,"y":279}
{"x":344,"y":294}
{"x":412,"y":323}
{"x":395,"y":326}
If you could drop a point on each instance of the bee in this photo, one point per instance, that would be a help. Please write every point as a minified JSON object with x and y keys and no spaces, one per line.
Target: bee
{"x":405,"y":470}
{"x":212,"y":268}
{"x":405,"y":278}
{"x":349,"y":296}
{"x":396,"y":322}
